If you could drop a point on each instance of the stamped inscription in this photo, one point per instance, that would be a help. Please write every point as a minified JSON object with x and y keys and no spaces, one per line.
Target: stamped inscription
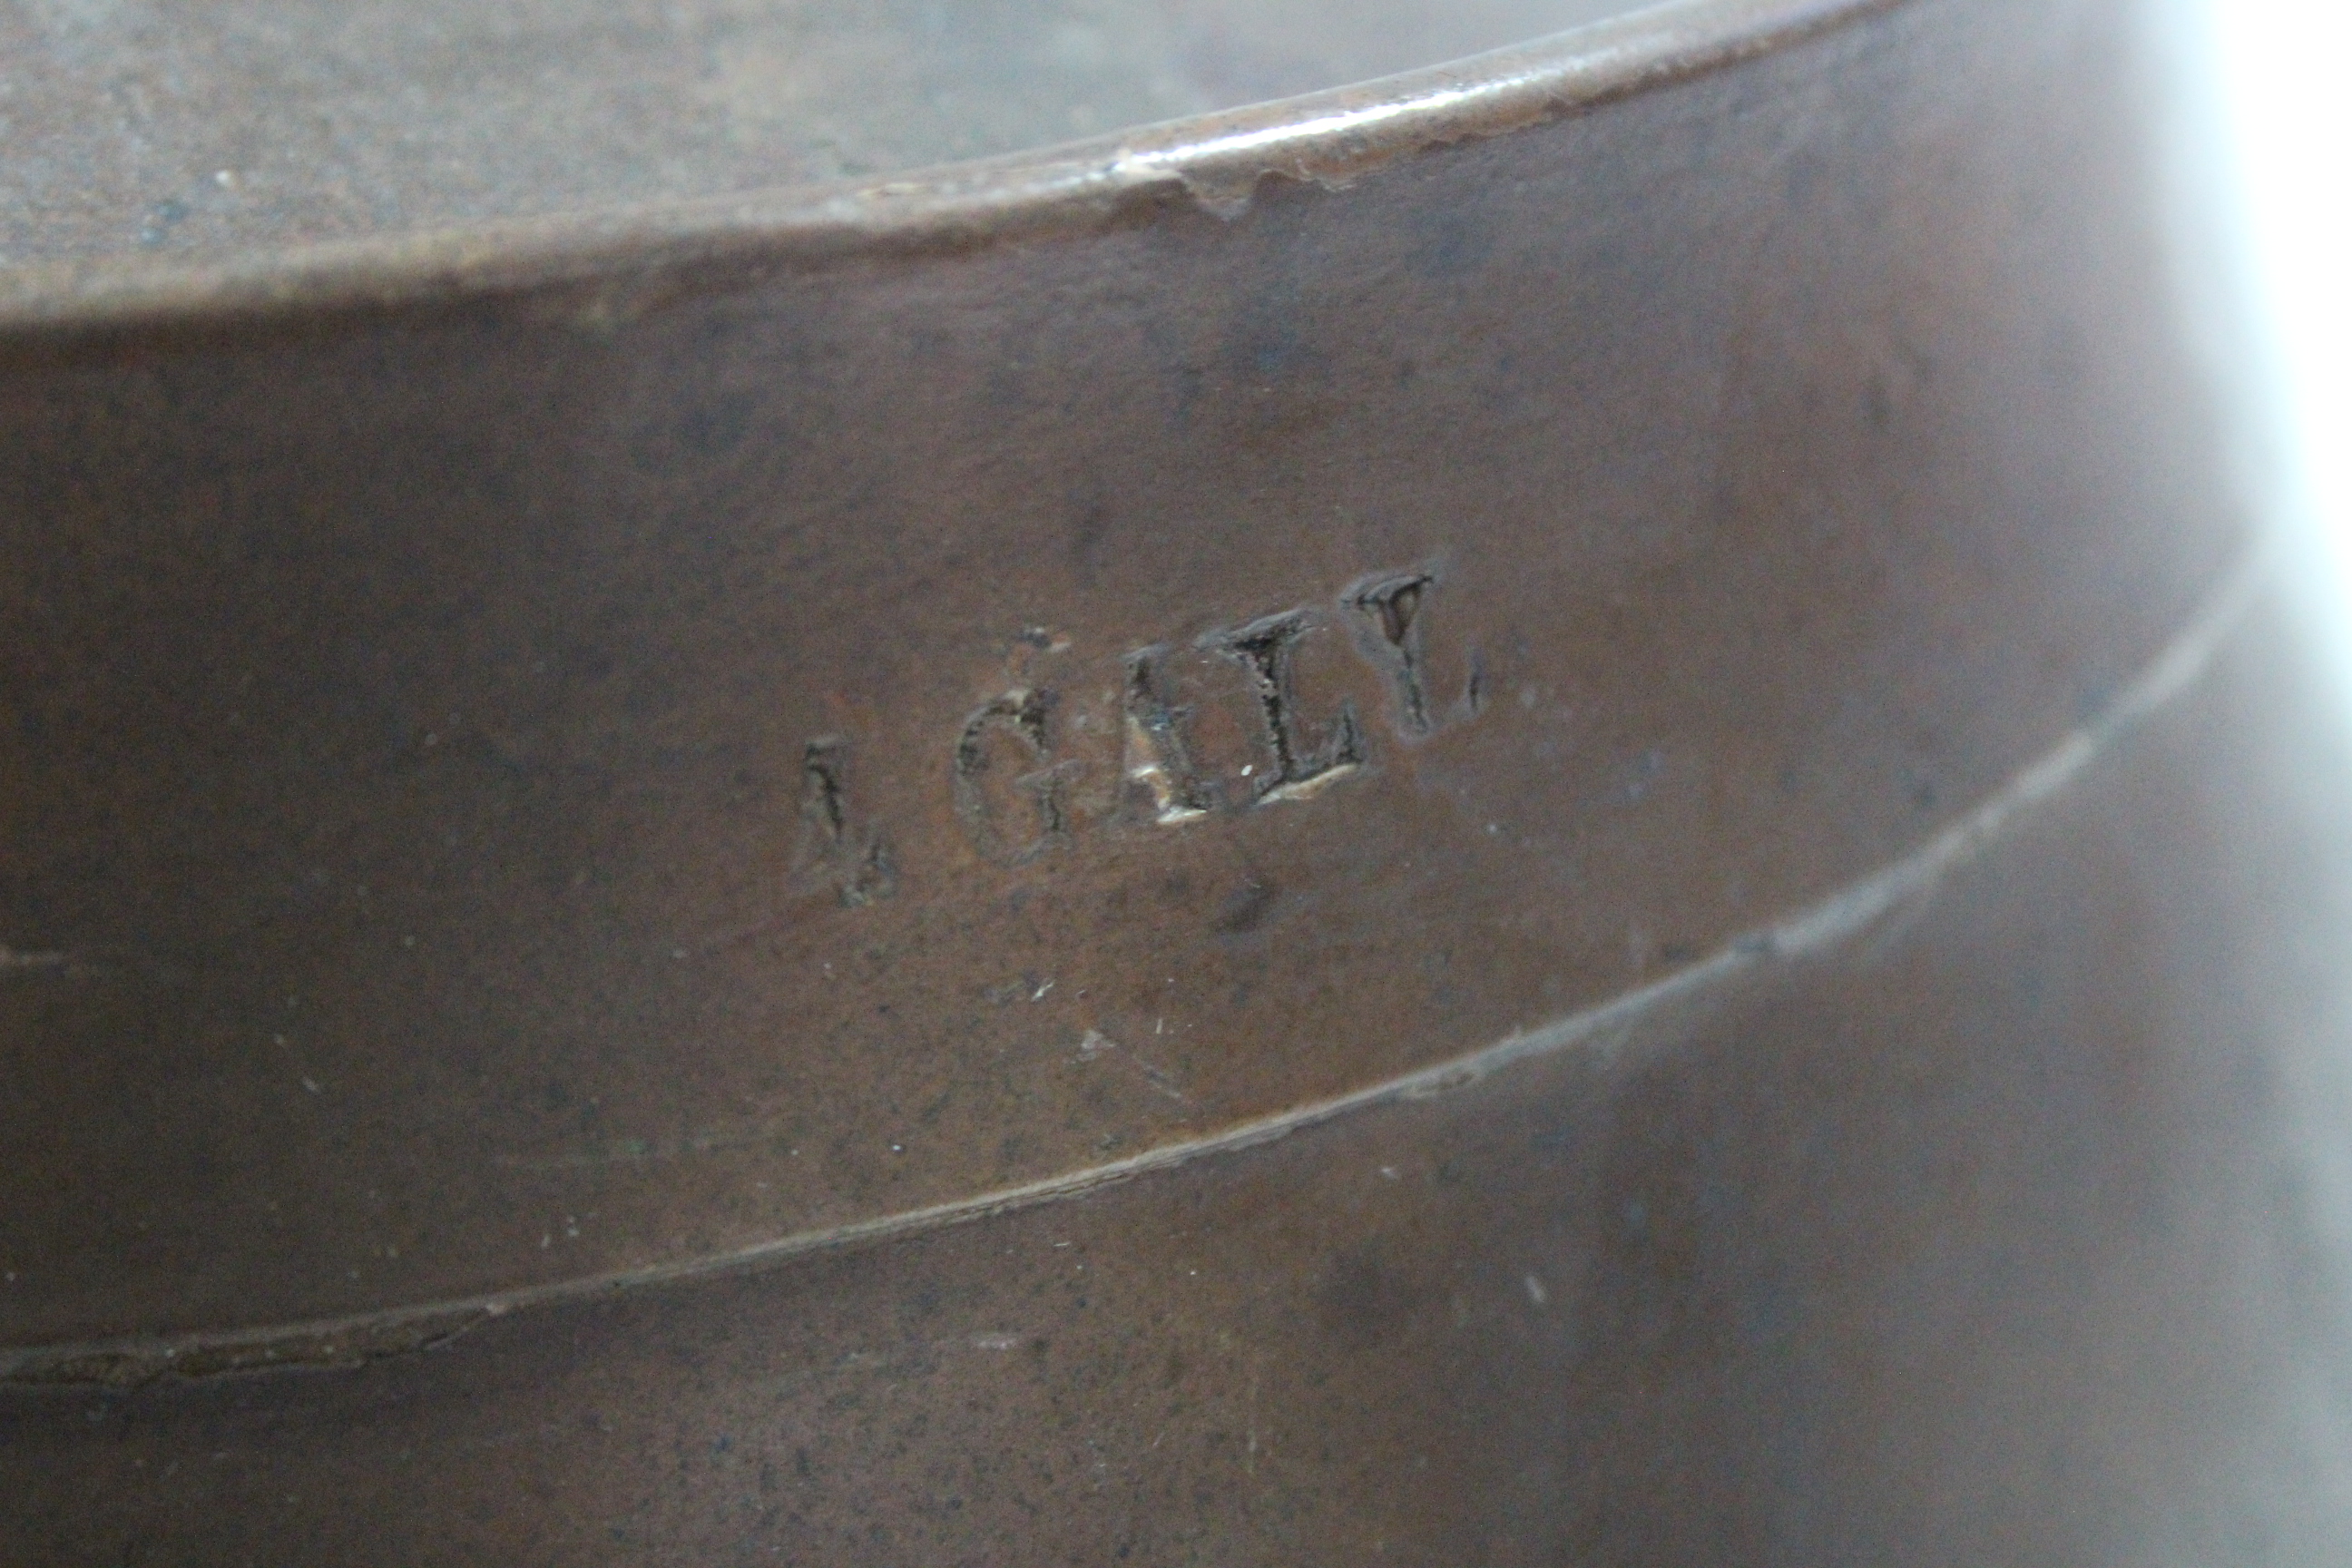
{"x":1033,"y":767}
{"x":1387,"y":609}
{"x":1301,"y":763}
{"x":854,"y":862}
{"x":1009,"y":736}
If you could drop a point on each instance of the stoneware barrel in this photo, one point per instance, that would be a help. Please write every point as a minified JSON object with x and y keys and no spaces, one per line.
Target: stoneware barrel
{"x":1069,"y":782}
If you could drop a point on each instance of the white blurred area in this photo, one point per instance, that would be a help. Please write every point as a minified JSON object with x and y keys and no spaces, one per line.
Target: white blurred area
{"x":2283,"y":70}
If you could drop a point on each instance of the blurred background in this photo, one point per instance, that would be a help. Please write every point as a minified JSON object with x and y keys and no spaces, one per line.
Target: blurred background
{"x":2283,"y":109}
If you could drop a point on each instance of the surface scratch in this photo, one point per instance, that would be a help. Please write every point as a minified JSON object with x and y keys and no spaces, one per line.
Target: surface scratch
{"x":1604,"y":1028}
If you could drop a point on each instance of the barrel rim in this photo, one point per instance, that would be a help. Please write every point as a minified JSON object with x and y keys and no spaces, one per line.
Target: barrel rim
{"x":623,"y":260}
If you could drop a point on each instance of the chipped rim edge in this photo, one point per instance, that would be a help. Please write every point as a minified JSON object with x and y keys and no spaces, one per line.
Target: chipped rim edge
{"x":1329,"y":138}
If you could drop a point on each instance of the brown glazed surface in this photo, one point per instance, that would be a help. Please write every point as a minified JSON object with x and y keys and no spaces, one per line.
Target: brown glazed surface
{"x":1580,"y":833}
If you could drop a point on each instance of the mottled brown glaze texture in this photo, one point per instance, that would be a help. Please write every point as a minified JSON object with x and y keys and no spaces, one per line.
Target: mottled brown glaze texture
{"x":1589,"y":841}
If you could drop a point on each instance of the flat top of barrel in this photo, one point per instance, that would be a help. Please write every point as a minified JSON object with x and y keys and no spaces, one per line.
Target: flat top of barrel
{"x":169,"y":156}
